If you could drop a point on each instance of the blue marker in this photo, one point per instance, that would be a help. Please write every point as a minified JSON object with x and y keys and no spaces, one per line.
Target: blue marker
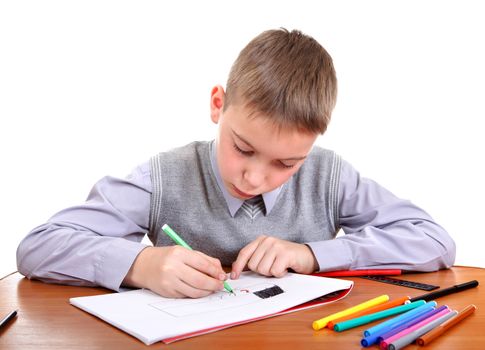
{"x":402,"y":326}
{"x":408,"y":315}
{"x":373,"y":334}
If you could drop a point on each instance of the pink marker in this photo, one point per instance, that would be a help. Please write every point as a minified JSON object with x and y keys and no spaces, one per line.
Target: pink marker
{"x":385,"y":343}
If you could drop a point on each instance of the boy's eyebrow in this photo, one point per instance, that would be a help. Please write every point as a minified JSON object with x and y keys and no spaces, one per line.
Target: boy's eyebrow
{"x":247,"y":143}
{"x":242,"y":139}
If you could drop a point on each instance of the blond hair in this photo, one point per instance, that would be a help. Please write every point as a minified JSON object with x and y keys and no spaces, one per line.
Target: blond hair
{"x":286,"y":76}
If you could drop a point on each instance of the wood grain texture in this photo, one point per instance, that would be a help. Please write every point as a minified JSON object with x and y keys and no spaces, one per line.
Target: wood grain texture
{"x":46,"y":320}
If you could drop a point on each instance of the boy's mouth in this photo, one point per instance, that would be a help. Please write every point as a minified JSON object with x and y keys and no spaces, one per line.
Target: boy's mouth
{"x":241,"y":193}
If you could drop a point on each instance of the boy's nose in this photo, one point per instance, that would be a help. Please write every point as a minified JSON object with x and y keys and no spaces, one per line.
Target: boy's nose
{"x":254,"y":178}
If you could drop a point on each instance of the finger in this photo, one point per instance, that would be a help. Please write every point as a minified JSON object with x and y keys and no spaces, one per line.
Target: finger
{"x":262,"y":263}
{"x":243,"y":258}
{"x":199,"y":280}
{"x":204,"y":264}
{"x":192,"y":292}
{"x":169,"y":294}
{"x":265,"y":247}
{"x":280,"y":267}
{"x":167,"y":287}
{"x":214,"y":261}
{"x":170,"y":285}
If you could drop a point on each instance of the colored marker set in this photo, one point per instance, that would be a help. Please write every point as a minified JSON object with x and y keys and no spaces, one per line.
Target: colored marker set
{"x":404,"y":329}
{"x":418,"y":321}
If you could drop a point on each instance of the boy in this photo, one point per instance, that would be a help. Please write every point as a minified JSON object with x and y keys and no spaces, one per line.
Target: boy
{"x":260,"y":196}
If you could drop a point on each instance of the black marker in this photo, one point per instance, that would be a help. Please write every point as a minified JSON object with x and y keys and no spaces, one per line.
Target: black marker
{"x":446,"y":291}
{"x":8,"y":318}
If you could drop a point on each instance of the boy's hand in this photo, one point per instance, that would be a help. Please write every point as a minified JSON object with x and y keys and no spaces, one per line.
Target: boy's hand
{"x":272,"y":256}
{"x":176,"y":272}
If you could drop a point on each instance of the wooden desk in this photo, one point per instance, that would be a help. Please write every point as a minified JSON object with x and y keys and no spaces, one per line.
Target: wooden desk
{"x":47,"y":321}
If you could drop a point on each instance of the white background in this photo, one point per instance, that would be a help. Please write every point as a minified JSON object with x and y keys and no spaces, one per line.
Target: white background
{"x":91,"y":88}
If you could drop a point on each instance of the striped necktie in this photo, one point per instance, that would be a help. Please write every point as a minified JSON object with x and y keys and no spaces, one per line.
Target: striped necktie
{"x":254,"y":206}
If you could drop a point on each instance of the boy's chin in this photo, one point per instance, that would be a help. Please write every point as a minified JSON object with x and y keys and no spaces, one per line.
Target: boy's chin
{"x":240,"y":194}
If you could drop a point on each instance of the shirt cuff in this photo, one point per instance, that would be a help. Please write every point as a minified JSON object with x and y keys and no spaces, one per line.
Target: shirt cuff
{"x":115,"y":262}
{"x":331,"y":255}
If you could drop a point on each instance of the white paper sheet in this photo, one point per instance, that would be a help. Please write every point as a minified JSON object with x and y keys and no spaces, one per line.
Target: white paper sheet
{"x":151,"y":318}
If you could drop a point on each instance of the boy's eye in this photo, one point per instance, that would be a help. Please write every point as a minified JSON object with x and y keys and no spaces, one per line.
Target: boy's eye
{"x":246,"y":153}
{"x":250,"y":153}
{"x":286,"y":166}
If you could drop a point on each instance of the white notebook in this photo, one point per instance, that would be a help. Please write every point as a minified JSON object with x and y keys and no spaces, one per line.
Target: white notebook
{"x":152,"y":318}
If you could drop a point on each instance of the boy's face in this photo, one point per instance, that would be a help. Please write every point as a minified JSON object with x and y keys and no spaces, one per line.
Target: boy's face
{"x":253,"y":155}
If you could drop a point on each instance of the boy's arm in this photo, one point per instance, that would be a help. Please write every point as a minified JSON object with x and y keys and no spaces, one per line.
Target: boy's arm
{"x":94,"y":243}
{"x":382,"y":231}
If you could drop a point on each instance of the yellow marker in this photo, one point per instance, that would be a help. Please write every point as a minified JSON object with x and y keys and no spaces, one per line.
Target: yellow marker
{"x":321,"y":323}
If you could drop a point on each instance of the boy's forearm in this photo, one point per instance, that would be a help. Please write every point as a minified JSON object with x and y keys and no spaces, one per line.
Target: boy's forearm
{"x":76,"y":257}
{"x":422,"y":246}
{"x":383,"y":231}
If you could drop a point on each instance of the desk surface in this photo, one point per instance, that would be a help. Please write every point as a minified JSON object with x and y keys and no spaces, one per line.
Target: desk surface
{"x":47,"y":321}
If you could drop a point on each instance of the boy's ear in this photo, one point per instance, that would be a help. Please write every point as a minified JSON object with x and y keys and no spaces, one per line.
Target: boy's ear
{"x":217,"y":102}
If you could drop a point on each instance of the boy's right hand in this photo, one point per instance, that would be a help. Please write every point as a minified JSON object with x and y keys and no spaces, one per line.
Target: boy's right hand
{"x":176,"y":272}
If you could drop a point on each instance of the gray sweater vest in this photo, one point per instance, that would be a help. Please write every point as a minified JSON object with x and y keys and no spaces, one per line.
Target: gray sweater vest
{"x":186,"y":196}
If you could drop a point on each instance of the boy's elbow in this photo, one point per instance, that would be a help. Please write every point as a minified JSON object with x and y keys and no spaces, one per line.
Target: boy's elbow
{"x":449,"y":255}
{"x":32,"y":251}
{"x":438,"y":250}
{"x":446,"y":255}
{"x":23,"y":255}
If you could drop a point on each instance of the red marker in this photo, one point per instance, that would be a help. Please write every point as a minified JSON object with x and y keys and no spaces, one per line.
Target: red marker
{"x":349,"y":273}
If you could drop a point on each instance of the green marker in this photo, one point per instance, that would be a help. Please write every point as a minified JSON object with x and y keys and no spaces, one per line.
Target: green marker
{"x":177,"y":239}
{"x":358,"y":321}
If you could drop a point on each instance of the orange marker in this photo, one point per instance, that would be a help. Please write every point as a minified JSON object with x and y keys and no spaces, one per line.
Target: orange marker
{"x":377,"y":308}
{"x":435,"y":333}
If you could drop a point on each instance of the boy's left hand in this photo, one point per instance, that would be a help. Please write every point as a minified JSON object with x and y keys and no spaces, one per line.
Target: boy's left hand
{"x":272,"y":256}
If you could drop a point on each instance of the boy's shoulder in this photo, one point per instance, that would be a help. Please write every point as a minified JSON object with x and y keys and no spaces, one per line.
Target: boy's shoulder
{"x":188,"y":150}
{"x":319,"y":161}
{"x":320,"y":154}
{"x":320,"y":151}
{"x":184,"y":159}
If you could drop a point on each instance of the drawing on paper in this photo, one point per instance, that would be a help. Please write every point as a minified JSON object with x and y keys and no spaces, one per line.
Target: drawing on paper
{"x":218,"y":301}
{"x":269,"y":292}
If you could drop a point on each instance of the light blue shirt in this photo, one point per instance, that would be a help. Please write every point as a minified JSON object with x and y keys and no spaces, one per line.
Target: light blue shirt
{"x":95,"y":243}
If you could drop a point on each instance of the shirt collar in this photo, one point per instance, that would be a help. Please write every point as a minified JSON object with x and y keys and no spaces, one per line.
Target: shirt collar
{"x":233,"y":203}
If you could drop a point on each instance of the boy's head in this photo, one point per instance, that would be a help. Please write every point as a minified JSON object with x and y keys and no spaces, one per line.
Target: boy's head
{"x":280,"y":94}
{"x":287,"y":77}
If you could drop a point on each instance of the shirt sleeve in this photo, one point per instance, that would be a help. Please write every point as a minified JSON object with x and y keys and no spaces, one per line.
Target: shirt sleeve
{"x":382,"y":231}
{"x":93,"y":244}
